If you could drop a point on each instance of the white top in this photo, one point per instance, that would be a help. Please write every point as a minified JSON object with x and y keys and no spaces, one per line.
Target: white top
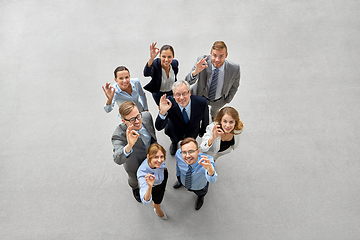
{"x":167,"y":82}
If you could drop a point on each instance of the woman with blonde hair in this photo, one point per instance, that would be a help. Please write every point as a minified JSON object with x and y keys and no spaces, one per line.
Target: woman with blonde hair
{"x":152,"y":176}
{"x":223,"y":135}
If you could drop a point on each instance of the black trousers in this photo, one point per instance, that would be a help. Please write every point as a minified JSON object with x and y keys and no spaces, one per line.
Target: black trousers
{"x":199,"y":193}
{"x":159,"y":190}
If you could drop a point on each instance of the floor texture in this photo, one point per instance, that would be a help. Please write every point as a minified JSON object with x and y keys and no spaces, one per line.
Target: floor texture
{"x":295,"y":175}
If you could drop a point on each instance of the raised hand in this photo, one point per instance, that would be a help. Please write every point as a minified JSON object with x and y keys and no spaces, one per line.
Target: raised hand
{"x":201,"y":65}
{"x":109,"y":91}
{"x":150,"y":179}
{"x":154,"y":51}
{"x":206,"y":163}
{"x":217,"y":131}
{"x":164,"y":105}
{"x":131,"y":136}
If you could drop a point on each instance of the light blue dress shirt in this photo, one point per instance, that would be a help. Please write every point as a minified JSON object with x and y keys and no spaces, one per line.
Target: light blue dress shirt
{"x":144,"y":169}
{"x":200,"y":176}
{"x":137,"y":96}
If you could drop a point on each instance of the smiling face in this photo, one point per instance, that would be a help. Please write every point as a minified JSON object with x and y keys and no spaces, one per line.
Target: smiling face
{"x":227,"y":123}
{"x":218,"y":57}
{"x":190,"y":158}
{"x":133,"y":114}
{"x":166,"y":57}
{"x":182,"y":95}
{"x":123,"y":79}
{"x":157,"y":160}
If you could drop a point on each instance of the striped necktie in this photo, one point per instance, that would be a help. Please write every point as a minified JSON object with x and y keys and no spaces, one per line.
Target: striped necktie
{"x":188,"y":178}
{"x":213,"y":85}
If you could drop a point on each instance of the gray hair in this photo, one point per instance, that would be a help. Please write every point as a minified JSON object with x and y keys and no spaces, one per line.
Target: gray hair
{"x":178,"y":83}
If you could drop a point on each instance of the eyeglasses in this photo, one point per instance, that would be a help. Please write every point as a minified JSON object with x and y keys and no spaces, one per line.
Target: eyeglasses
{"x":189,"y":152}
{"x":132,"y":120}
{"x":184,"y":94}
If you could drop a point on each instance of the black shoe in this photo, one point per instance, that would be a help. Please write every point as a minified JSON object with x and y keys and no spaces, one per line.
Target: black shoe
{"x":136,"y":194}
{"x":173,"y":148}
{"x":199,"y":202}
{"x":177,"y":184}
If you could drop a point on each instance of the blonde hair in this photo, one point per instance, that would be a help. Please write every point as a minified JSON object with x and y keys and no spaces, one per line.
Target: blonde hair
{"x":125,"y":108}
{"x":218,"y":45}
{"x":153,"y":149}
{"x":233,"y":113}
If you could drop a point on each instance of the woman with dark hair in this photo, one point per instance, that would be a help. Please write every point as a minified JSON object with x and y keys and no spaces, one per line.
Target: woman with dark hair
{"x":223,"y":135}
{"x":125,"y":89}
{"x":152,"y":176}
{"x":162,"y":70}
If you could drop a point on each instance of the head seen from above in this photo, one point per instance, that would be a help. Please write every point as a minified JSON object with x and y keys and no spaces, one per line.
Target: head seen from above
{"x":166,"y":56}
{"x":122,"y":77}
{"x":218,"y":53}
{"x":189,"y":150}
{"x":156,"y":155}
{"x":182,"y":93}
{"x":130,"y":115}
{"x":229,"y":120}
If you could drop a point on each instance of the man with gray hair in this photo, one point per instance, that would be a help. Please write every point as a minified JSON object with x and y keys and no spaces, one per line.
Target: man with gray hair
{"x":182,"y":115}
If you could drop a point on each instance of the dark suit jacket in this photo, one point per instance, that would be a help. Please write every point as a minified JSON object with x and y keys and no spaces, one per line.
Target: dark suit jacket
{"x":155,"y":72}
{"x":119,"y":141}
{"x":231,"y":79}
{"x":174,"y":123}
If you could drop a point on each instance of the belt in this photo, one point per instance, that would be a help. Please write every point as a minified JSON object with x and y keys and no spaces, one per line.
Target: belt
{"x":214,"y":100}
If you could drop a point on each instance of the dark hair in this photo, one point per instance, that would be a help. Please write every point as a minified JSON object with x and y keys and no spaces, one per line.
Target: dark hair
{"x":119,"y":69}
{"x":166,"y":47}
{"x":233,"y":113}
{"x":189,"y":140}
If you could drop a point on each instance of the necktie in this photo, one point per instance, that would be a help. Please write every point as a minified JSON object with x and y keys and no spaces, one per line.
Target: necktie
{"x":186,"y":118}
{"x":144,"y":140}
{"x":214,"y":80}
{"x":188,"y":178}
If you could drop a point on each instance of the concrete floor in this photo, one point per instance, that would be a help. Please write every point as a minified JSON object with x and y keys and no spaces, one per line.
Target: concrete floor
{"x":295,"y":175}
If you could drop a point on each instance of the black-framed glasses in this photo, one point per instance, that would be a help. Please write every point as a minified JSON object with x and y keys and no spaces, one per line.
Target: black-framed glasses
{"x":188,"y":152}
{"x":132,"y":120}
{"x":184,"y":94}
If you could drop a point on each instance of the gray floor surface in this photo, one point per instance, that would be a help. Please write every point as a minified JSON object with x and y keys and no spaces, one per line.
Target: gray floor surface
{"x":295,"y":175}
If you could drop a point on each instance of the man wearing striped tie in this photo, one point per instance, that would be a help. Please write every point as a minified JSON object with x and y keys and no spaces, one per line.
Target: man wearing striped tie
{"x":194,"y":170}
{"x":220,"y":80}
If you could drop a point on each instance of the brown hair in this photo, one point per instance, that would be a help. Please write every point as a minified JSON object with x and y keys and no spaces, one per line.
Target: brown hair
{"x":119,"y":69}
{"x":153,"y":149}
{"x":189,"y":140}
{"x":125,"y":108}
{"x":233,"y":113}
{"x":218,"y":45}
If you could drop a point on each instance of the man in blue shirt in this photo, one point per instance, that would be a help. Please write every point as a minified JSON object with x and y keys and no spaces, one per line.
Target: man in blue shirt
{"x":194,"y":170}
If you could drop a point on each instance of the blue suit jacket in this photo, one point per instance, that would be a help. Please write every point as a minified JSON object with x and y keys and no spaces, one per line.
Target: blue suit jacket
{"x":155,"y":72}
{"x":174,"y":123}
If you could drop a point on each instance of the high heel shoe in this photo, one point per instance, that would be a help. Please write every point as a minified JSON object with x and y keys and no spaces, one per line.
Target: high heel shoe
{"x":163,"y":217}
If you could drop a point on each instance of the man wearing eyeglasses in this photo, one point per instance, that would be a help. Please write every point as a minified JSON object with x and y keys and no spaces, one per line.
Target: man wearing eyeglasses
{"x":131,"y":140}
{"x":182,"y":115}
{"x":194,"y":170}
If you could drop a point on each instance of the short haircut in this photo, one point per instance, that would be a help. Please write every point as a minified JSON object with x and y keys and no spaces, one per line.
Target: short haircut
{"x":153,"y":149}
{"x":119,"y":69}
{"x":125,"y":108}
{"x":166,"y":47}
{"x":189,"y":140}
{"x":218,"y":45}
{"x":233,"y":113}
{"x":178,"y":83}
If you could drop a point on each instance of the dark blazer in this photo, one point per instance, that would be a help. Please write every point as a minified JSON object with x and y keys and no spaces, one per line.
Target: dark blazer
{"x":155,"y":72}
{"x":174,"y":123}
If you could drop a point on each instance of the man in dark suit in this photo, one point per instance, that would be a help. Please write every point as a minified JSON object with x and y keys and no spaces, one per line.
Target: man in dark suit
{"x":182,"y":115}
{"x":216,"y":78}
{"x":131,"y":140}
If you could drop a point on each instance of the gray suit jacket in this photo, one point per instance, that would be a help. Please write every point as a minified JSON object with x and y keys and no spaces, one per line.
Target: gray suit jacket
{"x":231,"y":79}
{"x":119,"y":140}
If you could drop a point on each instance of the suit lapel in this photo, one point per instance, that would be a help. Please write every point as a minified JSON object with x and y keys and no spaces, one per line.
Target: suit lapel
{"x":226,"y":77}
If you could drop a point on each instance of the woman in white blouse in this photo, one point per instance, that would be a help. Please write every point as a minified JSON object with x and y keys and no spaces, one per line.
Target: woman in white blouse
{"x":223,"y":135}
{"x":152,"y":176}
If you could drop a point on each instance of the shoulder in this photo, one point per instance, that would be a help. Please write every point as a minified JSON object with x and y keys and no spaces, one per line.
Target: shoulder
{"x":198,"y":99}
{"x":146,"y":115}
{"x":232,"y":65}
{"x":134,"y":80}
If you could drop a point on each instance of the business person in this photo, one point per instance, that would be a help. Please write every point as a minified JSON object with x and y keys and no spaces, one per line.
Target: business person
{"x":223,"y":135}
{"x":152,"y":176}
{"x":182,"y":115}
{"x":194,"y":170}
{"x":131,"y":140}
{"x":216,"y":78}
{"x":124,"y":89}
{"x":163,"y":71}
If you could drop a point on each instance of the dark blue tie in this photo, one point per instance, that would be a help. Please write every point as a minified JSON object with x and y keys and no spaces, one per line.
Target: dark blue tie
{"x":213,"y":85}
{"x":188,"y":178}
{"x":186,"y":118}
